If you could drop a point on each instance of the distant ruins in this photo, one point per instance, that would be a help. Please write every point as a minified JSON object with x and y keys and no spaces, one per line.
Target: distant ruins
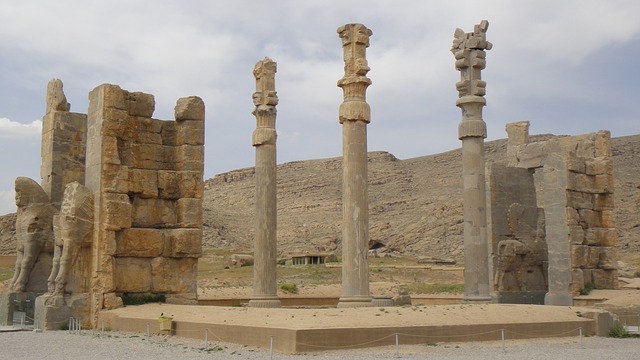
{"x":142,"y":235}
{"x":551,"y":218}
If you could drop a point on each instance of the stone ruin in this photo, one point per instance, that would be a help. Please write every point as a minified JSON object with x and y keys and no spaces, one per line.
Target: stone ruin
{"x":125,"y":197}
{"x":551,"y":218}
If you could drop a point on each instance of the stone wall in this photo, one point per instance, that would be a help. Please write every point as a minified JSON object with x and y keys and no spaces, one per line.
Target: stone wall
{"x":146,"y":175}
{"x":573,"y":178}
{"x":64,"y":136}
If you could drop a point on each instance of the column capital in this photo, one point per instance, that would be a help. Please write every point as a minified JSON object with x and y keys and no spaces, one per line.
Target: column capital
{"x":354,"y":83}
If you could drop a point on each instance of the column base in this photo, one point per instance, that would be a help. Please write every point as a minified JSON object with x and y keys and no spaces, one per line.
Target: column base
{"x":355,"y":301}
{"x":477,"y":299}
{"x":265,"y":302}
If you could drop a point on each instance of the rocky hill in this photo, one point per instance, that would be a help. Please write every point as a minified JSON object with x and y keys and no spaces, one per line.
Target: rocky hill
{"x":415,"y":204}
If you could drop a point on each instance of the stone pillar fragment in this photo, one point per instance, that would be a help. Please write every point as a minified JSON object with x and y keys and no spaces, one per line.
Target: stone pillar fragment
{"x":354,"y":116}
{"x":469,"y":51}
{"x":265,"y":287}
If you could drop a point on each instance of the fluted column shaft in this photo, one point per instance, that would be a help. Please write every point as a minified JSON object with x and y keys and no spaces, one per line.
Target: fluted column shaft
{"x":354,"y":116}
{"x":265,"y":287}
{"x":469,"y":52}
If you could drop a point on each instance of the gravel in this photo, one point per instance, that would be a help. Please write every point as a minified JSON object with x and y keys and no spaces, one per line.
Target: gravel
{"x":117,"y":345}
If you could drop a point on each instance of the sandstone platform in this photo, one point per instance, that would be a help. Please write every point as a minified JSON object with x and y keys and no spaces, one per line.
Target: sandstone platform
{"x":308,"y":330}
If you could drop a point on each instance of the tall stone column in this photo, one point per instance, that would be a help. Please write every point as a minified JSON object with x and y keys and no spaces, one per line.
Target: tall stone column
{"x":354,"y":116}
{"x":469,"y":51}
{"x":265,"y":287}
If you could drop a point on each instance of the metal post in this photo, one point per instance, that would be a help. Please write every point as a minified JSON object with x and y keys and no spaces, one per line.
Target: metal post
{"x":102,"y":330}
{"x":79,"y":327}
{"x":22,"y":321}
{"x":638,"y":324}
{"x":502,"y":336}
{"x":397,"y":346}
{"x":148,"y":330}
{"x":69,"y":326}
{"x":206,"y":338}
{"x":581,"y":345}
{"x":271,"y":347}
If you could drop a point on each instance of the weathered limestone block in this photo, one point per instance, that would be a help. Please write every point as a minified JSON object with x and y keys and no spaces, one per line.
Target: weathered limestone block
{"x":517,"y":133}
{"x":531,"y":155}
{"x":56,"y":99}
{"x":605,"y":279}
{"x":152,"y":157}
{"x":603,"y":183}
{"x":578,"y":280}
{"x":189,"y":158}
{"x":108,"y":245}
{"x":154,"y":213}
{"x":579,"y":255}
{"x":180,"y":184}
{"x":183,"y":243}
{"x":608,"y":258}
{"x":190,"y":132}
{"x":581,"y":182}
{"x":576,"y":235}
{"x":169,"y":275}
{"x":113,"y":121}
{"x":133,"y":274}
{"x":599,"y":166}
{"x":117,"y":211}
{"x":603,"y":144}
{"x":608,"y":218}
{"x":115,"y":178}
{"x":189,"y":213}
{"x":169,"y":133}
{"x":573,"y":218}
{"x":603,"y":202}
{"x":140,"y":104}
{"x":140,"y":242}
{"x":189,"y":108}
{"x":576,"y":165}
{"x":143,"y":130}
{"x":111,"y":150}
{"x":240,"y":260}
{"x":590,"y":218}
{"x":143,"y":183}
{"x":593,"y":257}
{"x":580,"y":200}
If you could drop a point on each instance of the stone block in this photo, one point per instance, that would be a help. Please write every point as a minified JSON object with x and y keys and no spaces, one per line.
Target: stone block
{"x":608,"y":258}
{"x":143,"y":130}
{"x":608,"y":218}
{"x":154,"y":213}
{"x":189,"y":108}
{"x":189,"y":213}
{"x":174,"y":275}
{"x":593,"y":257}
{"x":581,"y":182}
{"x":590,"y":218}
{"x":605,"y":279}
{"x":107,"y":243}
{"x":113,"y":122}
{"x":531,"y":155}
{"x":603,"y":144}
{"x":169,"y":133}
{"x":115,"y":178}
{"x":603,"y":202}
{"x":573,"y":218}
{"x":190,"y":158}
{"x":144,"y":183}
{"x":183,"y":242}
{"x":576,"y":165}
{"x":140,"y":242}
{"x":111,"y":301}
{"x":577,"y":281}
{"x":580,"y":200}
{"x":153,"y":157}
{"x":110,"y":150}
{"x":191,"y":184}
{"x":601,"y":236}
{"x":579,"y":255}
{"x":190,"y":132}
{"x":116,"y":211}
{"x":517,"y":133}
{"x":169,"y":185}
{"x":603,"y":183}
{"x":599,"y":166}
{"x":576,"y":235}
{"x":140,"y":104}
{"x":133,"y":274}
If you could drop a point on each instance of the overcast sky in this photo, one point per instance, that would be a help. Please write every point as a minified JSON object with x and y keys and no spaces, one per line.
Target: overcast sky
{"x":569,"y":67}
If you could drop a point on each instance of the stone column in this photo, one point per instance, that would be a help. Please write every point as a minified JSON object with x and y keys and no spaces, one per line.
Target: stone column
{"x":469,"y":51}
{"x":354,"y":117}
{"x":265,"y":287}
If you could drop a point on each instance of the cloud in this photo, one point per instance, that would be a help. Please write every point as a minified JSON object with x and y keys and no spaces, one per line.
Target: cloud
{"x":14,"y":130}
{"x":7,"y":202}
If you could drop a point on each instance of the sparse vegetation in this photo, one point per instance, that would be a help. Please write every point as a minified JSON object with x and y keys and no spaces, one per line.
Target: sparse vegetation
{"x":289,"y":288}
{"x":422,"y":288}
{"x":619,"y":331}
{"x":587,"y":289}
